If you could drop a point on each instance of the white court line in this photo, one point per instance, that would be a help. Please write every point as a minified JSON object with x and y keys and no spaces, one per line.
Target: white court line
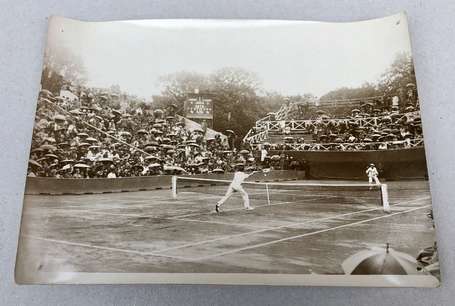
{"x":305,"y":235}
{"x":283,"y":226}
{"x":85,"y":245}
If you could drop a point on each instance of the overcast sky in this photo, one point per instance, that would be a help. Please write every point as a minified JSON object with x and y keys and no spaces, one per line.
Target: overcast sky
{"x":288,"y":57}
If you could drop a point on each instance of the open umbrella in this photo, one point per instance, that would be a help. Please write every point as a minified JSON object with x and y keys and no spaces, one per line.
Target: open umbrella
{"x":65,"y":167}
{"x":116,"y":112}
{"x":150,"y":148}
{"x":35,"y":163}
{"x":167,"y":146}
{"x":275,"y":157}
{"x":46,"y":93}
{"x":81,"y":166}
{"x":385,"y":261}
{"x":59,"y":118}
{"x":172,"y":168}
{"x":75,"y":112}
{"x":53,"y":165}
{"x":151,"y":157}
{"x":48,"y":147}
{"x":51,"y":156}
{"x":154,"y":165}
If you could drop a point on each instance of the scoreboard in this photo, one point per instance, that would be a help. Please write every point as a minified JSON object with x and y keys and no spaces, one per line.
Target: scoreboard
{"x":199,"y":108}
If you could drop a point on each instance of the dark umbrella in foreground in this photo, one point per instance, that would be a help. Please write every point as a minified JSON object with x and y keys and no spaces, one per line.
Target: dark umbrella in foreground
{"x":385,"y":261}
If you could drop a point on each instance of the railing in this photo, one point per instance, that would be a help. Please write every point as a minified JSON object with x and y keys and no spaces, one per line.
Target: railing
{"x":259,"y":137}
{"x":347,"y":146}
{"x":282,"y":113}
{"x":304,"y":125}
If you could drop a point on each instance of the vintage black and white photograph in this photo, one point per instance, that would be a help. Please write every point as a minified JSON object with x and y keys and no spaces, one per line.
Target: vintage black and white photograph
{"x":228,"y":152}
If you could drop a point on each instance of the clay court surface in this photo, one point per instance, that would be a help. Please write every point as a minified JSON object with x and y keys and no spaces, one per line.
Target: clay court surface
{"x":149,"y":231}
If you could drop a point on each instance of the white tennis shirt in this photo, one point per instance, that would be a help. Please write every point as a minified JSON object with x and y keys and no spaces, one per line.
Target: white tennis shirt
{"x":239,"y":178}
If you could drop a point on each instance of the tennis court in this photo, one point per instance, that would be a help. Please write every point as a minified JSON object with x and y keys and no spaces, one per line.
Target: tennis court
{"x":296,"y":230}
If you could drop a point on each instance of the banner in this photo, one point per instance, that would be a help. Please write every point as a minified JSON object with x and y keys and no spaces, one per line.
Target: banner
{"x":199,"y":108}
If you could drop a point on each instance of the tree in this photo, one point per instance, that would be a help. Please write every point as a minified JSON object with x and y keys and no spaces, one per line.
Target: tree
{"x":366,"y":90}
{"x":398,"y":75}
{"x":235,"y":100}
{"x":232,"y":90}
{"x":177,"y":86}
{"x":61,"y":67}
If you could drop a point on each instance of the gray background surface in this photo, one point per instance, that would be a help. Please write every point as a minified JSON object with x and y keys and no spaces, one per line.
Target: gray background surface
{"x":22,"y":35}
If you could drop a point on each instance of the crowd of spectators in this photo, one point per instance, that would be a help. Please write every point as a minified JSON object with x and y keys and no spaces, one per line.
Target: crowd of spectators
{"x":87,"y":138}
{"x":367,"y":128}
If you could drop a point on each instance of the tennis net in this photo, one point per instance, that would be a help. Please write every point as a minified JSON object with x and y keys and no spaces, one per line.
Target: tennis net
{"x":268,"y":193}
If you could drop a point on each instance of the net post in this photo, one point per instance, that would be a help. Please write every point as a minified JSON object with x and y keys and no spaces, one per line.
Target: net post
{"x":268,"y":194}
{"x":385,"y":198}
{"x":174,"y":186}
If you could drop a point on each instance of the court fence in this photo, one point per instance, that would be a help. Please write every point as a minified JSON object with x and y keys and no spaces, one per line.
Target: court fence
{"x":55,"y":186}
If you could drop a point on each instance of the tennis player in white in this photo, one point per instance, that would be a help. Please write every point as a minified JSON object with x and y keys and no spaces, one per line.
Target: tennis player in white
{"x":236,"y":186}
{"x":372,"y":174}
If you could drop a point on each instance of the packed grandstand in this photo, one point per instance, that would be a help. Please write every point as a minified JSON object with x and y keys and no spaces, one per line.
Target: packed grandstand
{"x":85,"y":137}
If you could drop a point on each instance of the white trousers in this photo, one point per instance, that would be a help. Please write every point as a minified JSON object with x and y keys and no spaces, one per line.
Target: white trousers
{"x":375,"y":178}
{"x":230,"y":192}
